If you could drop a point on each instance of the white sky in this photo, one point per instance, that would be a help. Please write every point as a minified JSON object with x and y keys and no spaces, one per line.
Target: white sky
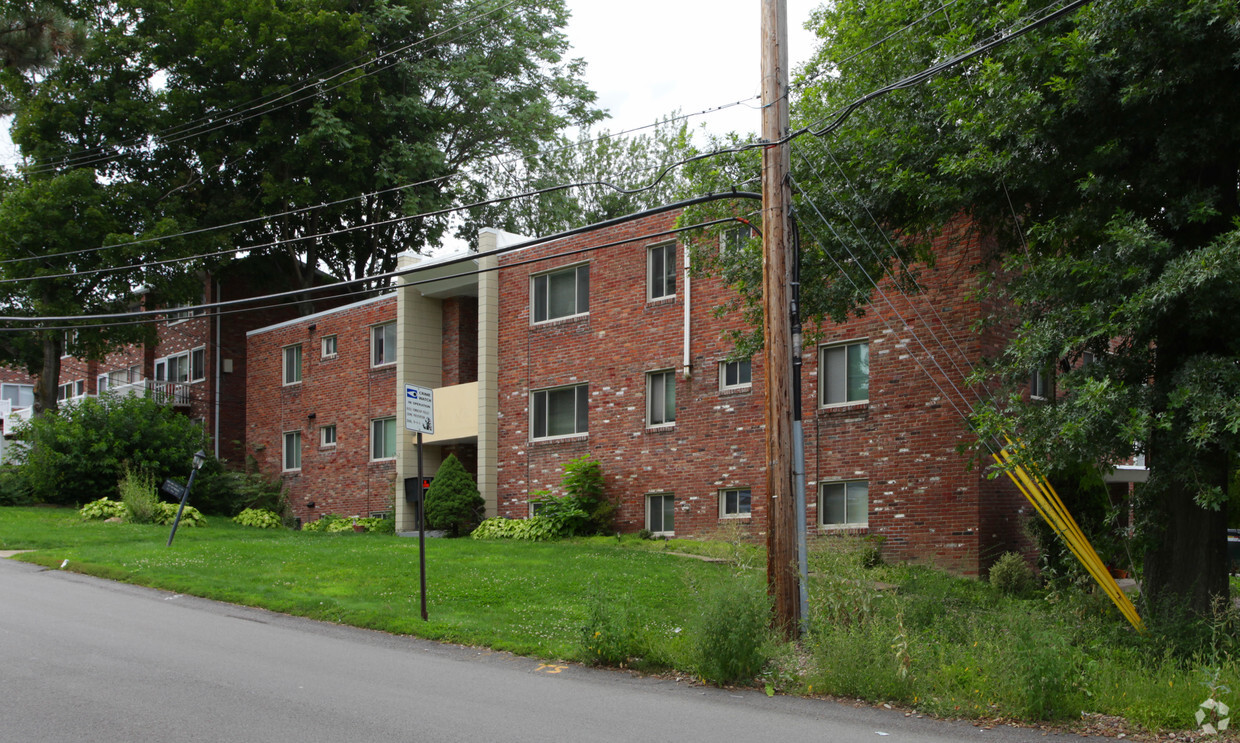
{"x":648,"y":58}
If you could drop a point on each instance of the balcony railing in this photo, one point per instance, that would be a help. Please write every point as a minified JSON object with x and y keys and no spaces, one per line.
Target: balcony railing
{"x":169,"y":393}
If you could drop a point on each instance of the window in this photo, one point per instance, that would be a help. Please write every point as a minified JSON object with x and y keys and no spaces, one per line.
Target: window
{"x":292,"y":364}
{"x":70,"y":390}
{"x":732,"y":240}
{"x":69,"y":341}
{"x":383,"y":344}
{"x":1040,"y":387}
{"x":734,"y":503}
{"x":561,"y":293}
{"x":845,"y":503}
{"x":845,"y":373}
{"x":328,"y":346}
{"x":661,"y":260}
{"x":735,"y":375}
{"x":383,"y":438}
{"x":327,"y":435}
{"x":20,"y":395}
{"x":659,"y":513}
{"x":180,"y":368}
{"x":560,"y":412}
{"x":292,"y":450}
{"x":198,"y":364}
{"x":661,"y":397}
{"x":182,"y":312}
{"x":101,"y":384}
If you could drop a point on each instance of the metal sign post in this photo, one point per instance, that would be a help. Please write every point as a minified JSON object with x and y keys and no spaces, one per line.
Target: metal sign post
{"x":420,"y":418}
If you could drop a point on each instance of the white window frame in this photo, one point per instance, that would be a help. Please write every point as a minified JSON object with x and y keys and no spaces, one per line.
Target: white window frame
{"x":286,"y":352}
{"x":380,"y":354}
{"x":329,"y":347}
{"x":183,"y":360}
{"x":661,"y":287}
{"x":291,"y":447}
{"x":540,"y":293}
{"x":327,"y":435}
{"x":846,"y":485}
{"x":378,"y":436}
{"x":6,"y":386}
{"x":657,"y":386}
{"x":826,"y":383}
{"x":725,"y":513}
{"x":740,"y":364}
{"x":1041,"y":384}
{"x":541,"y":399}
{"x":198,"y":364}
{"x":101,"y":384}
{"x":662,"y":532}
{"x":732,"y":240}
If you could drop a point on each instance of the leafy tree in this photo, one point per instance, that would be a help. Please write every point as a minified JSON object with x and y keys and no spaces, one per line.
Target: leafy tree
{"x":270,"y":108}
{"x":452,"y":501}
{"x":85,"y":449}
{"x":33,"y":35}
{"x":607,"y":167}
{"x":1098,"y":156}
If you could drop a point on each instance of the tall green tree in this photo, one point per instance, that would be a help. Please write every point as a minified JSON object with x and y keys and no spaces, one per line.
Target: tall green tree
{"x":262,"y":112}
{"x":1099,"y":156}
{"x":613,"y":175}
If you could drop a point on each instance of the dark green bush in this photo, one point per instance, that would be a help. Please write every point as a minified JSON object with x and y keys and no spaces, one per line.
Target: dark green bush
{"x":14,"y":487}
{"x":1012,"y":575}
{"x":228,"y":493}
{"x":453,"y":502}
{"x":80,"y":452}
{"x":583,"y":480}
{"x":565,"y":513}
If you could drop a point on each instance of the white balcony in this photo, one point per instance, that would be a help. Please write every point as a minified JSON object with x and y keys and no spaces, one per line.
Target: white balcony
{"x":176,"y":394}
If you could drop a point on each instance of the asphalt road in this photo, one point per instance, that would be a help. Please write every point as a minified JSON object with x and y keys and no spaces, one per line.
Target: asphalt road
{"x":83,"y":659}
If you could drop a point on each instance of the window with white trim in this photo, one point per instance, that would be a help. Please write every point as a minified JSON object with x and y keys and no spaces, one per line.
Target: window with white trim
{"x":292,"y":450}
{"x":327,"y":435}
{"x":660,"y":514}
{"x":20,"y":395}
{"x":382,"y":439}
{"x":101,"y":384}
{"x":661,"y":271}
{"x":561,"y":411}
{"x":732,"y":240}
{"x":327,"y":347}
{"x":292,"y":364}
{"x":735,"y":375}
{"x":1041,"y":385}
{"x":844,"y":373}
{"x":560,"y":293}
{"x":383,"y":344}
{"x":71,"y":390}
{"x":844,"y":503}
{"x":735,"y":503}
{"x":187,"y":366}
{"x":661,"y":398}
{"x":198,"y":364}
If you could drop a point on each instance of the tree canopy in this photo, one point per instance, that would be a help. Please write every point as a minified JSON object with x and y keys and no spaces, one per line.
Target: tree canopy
{"x":1098,"y":156}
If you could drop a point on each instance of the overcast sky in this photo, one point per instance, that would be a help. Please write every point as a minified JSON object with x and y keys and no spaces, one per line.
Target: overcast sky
{"x":656,"y":56}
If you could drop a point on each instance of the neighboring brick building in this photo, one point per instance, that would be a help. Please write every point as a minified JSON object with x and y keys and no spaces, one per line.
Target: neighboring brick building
{"x":197,"y":362}
{"x":323,"y":401}
{"x":618,"y":354}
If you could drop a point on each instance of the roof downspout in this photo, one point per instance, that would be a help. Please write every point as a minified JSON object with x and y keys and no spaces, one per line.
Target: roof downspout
{"x":215,"y":436}
{"x":688,"y":359}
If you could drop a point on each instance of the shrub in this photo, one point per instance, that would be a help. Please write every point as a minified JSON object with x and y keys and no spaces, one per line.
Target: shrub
{"x":729,"y":635}
{"x":166,"y":513}
{"x":1012,"y":575}
{"x":566,"y":514}
{"x":329,"y":522}
{"x":102,"y":509}
{"x":378,"y":525}
{"x":533,"y":529}
{"x":583,"y":480}
{"x":259,"y":518}
{"x":217,"y":490}
{"x":610,"y":634}
{"x":137,"y":492}
{"x":452,"y":501}
{"x":14,"y":487}
{"x":80,"y":452}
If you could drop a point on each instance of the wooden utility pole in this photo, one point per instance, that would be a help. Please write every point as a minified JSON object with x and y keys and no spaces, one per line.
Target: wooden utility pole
{"x":777,"y":336}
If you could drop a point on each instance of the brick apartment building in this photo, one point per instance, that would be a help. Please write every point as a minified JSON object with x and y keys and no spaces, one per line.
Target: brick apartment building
{"x":197,"y":362}
{"x":619,"y":354}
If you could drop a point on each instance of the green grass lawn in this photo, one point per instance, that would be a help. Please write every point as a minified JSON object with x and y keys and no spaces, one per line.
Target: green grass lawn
{"x":905,"y":635}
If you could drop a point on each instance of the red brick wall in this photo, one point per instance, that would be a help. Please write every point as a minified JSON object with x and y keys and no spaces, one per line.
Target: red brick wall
{"x":344,"y":391}
{"x":460,"y":340}
{"x":923,"y":498}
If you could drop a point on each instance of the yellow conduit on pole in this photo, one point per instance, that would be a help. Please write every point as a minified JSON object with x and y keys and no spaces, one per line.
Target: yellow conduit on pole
{"x":1048,"y":505}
